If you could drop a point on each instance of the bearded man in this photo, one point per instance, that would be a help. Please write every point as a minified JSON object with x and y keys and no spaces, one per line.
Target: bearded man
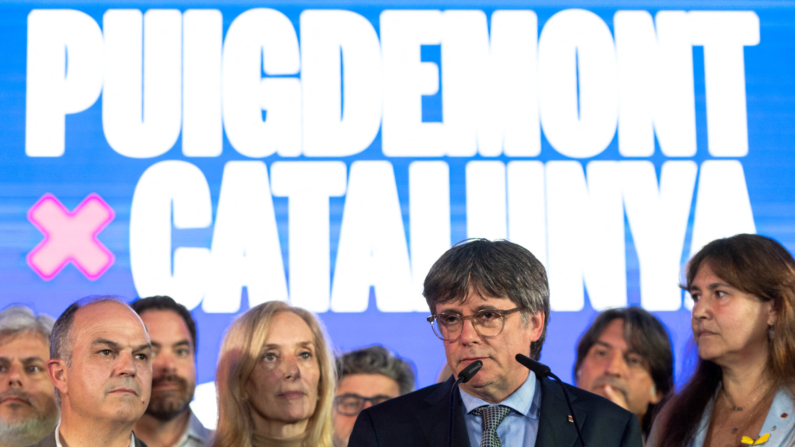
{"x":28,"y":411}
{"x":169,"y":421}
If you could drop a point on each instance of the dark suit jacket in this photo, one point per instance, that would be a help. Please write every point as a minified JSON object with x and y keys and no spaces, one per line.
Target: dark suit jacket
{"x":422,"y":417}
{"x":49,"y":441}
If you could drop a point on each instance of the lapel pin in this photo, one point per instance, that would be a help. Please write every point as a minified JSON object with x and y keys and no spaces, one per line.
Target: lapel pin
{"x":784,"y":415}
{"x":571,"y":419}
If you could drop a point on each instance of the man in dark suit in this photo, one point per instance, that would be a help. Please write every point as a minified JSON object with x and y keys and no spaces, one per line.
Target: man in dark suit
{"x":100,"y":363}
{"x":490,"y":301}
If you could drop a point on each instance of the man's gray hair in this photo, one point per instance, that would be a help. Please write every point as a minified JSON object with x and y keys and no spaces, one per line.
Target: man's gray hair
{"x":377,"y":360}
{"x":16,"y":319}
{"x":499,"y":269}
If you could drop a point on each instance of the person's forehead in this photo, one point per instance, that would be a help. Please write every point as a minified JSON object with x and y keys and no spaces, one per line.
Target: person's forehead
{"x":165,"y":325}
{"x":367,"y":385}
{"x":705,"y":276}
{"x":475,"y":301}
{"x":108,"y":320}
{"x":26,"y":343}
{"x":288,"y":328}
{"x":613,"y":335}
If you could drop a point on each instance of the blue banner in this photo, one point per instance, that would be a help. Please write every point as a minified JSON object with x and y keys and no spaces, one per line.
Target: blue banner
{"x":327,"y":153}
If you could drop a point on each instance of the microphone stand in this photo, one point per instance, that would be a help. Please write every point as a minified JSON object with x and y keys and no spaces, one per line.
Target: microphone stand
{"x":542,"y":370}
{"x":463,"y":377}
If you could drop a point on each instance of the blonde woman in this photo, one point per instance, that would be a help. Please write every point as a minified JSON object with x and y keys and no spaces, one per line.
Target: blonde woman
{"x":275,"y":380}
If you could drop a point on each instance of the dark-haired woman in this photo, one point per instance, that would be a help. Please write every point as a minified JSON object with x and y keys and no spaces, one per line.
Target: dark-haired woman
{"x":743,"y":321}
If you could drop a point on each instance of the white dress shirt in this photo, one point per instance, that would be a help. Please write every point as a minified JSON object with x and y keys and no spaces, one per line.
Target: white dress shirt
{"x":58,"y":437}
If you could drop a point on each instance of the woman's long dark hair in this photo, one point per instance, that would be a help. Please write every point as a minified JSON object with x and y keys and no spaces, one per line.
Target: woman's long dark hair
{"x":756,"y":265}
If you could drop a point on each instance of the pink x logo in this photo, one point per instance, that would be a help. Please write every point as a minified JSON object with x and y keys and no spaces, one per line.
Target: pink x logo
{"x":70,"y":236}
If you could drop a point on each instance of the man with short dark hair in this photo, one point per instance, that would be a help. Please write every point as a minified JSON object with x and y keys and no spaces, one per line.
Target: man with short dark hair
{"x":366,"y":377}
{"x":625,"y":356}
{"x":27,"y":401}
{"x":100,"y":364}
{"x":169,"y":421}
{"x":490,"y":301}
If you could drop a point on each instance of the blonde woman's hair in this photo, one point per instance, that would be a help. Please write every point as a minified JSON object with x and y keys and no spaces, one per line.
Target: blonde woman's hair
{"x":240,"y":352}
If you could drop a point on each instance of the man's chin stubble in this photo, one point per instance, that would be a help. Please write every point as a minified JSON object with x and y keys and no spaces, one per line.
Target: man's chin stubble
{"x":28,"y":431}
{"x":168,"y":409}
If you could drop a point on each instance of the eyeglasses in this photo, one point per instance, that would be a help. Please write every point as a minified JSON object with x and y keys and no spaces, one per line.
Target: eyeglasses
{"x":487,"y":323}
{"x":353,"y":404}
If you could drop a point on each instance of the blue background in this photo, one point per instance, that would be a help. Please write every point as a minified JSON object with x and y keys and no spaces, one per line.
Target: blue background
{"x":90,"y":165}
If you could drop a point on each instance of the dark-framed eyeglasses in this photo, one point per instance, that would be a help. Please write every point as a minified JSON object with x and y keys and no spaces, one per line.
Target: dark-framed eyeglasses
{"x":351,"y":404}
{"x":487,"y":323}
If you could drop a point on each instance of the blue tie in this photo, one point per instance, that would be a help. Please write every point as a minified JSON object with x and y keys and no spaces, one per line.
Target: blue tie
{"x":492,"y":417}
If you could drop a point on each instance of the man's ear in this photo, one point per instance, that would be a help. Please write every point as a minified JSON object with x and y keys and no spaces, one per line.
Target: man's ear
{"x":536,"y":325}
{"x":656,"y":396}
{"x":56,"y":370}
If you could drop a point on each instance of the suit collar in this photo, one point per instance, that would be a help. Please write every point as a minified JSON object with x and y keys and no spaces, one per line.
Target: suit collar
{"x":433,"y":419}
{"x":554,"y":428}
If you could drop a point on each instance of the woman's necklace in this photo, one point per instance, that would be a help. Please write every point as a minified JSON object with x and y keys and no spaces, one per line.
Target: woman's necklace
{"x":735,"y":408}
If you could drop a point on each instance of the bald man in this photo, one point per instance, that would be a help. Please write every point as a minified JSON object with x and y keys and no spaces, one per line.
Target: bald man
{"x":100,"y":364}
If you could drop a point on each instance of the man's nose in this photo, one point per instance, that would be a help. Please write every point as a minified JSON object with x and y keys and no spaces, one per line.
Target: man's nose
{"x":125,"y":364}
{"x":165,"y":362}
{"x":368,"y":404}
{"x":615,"y":364}
{"x":15,"y":376}
{"x":468,"y":333}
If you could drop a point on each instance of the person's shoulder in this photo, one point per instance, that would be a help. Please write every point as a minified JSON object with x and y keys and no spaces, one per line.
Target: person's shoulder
{"x":197,"y":429}
{"x":593,"y":403}
{"x":48,"y":441}
{"x":415,"y":400}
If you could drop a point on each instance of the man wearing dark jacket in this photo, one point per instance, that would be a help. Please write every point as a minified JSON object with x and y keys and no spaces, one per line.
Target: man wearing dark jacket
{"x":490,"y":301}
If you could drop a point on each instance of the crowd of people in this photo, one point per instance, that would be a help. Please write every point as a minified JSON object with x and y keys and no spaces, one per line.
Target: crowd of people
{"x":107,"y":373}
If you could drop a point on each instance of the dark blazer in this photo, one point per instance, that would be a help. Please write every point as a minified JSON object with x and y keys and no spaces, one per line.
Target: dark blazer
{"x":422,"y":417}
{"x":49,"y":441}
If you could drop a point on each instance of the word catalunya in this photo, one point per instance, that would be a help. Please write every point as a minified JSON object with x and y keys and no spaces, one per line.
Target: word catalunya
{"x":325,"y":83}
{"x":569,"y":214}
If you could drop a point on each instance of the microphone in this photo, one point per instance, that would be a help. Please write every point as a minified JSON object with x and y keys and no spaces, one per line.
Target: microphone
{"x":463,"y":377}
{"x":541,"y":370}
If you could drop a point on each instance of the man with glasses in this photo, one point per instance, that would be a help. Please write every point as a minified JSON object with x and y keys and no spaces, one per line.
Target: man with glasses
{"x":490,"y":301}
{"x":367,"y":377}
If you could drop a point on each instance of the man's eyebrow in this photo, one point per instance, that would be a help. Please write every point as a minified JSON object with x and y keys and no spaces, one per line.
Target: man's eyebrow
{"x":606,"y":345}
{"x":487,"y":307}
{"x":32,"y":359}
{"x":108,"y":343}
{"x":143,"y":347}
{"x":180,"y":343}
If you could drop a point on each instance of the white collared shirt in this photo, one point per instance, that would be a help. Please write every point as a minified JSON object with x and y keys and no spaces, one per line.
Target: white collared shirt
{"x":196,"y":435}
{"x":58,"y":437}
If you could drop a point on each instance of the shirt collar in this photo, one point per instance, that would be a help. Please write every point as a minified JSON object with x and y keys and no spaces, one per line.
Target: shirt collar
{"x":522,"y":400}
{"x":58,"y":437}
{"x":195,"y":430}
